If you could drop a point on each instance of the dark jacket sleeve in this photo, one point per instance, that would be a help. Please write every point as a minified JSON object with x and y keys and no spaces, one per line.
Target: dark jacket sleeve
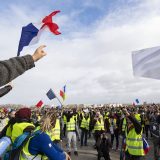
{"x":92,"y":124}
{"x":137,"y":125}
{"x":14,"y":67}
{"x":5,"y":90}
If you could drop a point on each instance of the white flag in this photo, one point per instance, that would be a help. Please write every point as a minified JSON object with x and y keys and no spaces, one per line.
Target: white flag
{"x":146,"y":63}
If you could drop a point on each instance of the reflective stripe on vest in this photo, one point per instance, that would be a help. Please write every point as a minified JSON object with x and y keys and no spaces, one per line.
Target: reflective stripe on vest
{"x":99,"y":125}
{"x":71,"y":125}
{"x":18,"y":129}
{"x":23,"y":156}
{"x":85,"y":123}
{"x":134,"y":143}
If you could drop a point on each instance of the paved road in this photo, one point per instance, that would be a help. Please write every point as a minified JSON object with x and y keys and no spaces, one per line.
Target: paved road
{"x":89,"y":153}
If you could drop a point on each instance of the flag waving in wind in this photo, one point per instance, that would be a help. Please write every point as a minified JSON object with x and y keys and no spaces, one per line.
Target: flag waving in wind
{"x":53,"y":27}
{"x":50,"y":94}
{"x":146,"y":63}
{"x":30,"y":34}
{"x":39,"y":104}
{"x":63,"y":93}
{"x":137,"y":101}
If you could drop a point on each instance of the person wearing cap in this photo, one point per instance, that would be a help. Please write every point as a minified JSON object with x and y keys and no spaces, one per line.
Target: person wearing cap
{"x":22,"y":124}
{"x":134,"y":142}
{"x":14,"y":67}
{"x":40,"y":146}
{"x":84,"y":126}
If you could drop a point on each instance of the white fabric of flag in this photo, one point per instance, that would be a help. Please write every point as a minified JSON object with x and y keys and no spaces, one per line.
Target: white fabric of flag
{"x":146,"y":63}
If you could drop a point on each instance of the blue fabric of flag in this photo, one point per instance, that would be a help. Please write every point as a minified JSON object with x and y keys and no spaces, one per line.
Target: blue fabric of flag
{"x":50,"y":94}
{"x":137,"y":101}
{"x":27,"y":34}
{"x":64,"y":89}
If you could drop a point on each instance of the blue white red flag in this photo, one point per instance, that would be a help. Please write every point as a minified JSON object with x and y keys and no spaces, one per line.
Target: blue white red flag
{"x":30,"y":34}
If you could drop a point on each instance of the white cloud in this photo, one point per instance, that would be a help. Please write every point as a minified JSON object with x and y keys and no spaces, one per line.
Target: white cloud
{"x":94,"y":64}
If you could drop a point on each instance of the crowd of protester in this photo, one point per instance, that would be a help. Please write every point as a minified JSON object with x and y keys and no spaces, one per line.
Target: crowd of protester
{"x":126,"y":125}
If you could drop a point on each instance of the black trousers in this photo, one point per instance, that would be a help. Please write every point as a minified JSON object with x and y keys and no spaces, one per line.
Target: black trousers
{"x":146,"y":130}
{"x":116,"y":134}
{"x":97,"y":135}
{"x":132,"y":157}
{"x":64,"y":130}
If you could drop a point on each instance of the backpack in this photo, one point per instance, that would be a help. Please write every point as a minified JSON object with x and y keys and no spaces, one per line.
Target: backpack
{"x":18,"y":144}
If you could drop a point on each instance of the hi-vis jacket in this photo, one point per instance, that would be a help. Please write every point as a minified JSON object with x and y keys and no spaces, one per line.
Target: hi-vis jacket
{"x":99,"y":125}
{"x":85,"y":123}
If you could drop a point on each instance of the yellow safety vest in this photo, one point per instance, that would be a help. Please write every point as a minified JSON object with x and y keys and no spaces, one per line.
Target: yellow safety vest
{"x":6,"y":121}
{"x":99,"y":125}
{"x":76,"y":117}
{"x":25,"y":154}
{"x":85,"y":123}
{"x":124,"y":124}
{"x":9,"y":131}
{"x":39,"y":118}
{"x":134,"y":143}
{"x":64,"y":119}
{"x":138,"y":117}
{"x":18,"y":129}
{"x":55,"y":133}
{"x":71,"y":125}
{"x":113,"y":122}
{"x":106,"y":115}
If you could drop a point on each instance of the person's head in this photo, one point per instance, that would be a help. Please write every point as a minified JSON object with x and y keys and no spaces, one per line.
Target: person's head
{"x":48,"y":121}
{"x":97,"y":114}
{"x":12,"y":114}
{"x":23,"y":113}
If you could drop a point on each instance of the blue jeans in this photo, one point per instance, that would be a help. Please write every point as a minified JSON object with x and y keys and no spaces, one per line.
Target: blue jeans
{"x":84,"y":134}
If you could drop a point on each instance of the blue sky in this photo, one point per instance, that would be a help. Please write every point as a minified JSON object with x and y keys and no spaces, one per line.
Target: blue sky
{"x":92,"y":56}
{"x":84,"y":12}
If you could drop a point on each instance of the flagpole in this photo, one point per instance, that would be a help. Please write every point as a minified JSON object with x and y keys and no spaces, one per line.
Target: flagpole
{"x":59,"y":100}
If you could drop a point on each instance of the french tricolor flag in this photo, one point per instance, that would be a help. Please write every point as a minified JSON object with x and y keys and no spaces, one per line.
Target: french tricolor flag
{"x":30,"y":34}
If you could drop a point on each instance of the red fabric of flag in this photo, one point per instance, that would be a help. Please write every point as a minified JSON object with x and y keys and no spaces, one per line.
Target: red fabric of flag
{"x":39,"y":104}
{"x":53,"y":27}
{"x":61,"y":93}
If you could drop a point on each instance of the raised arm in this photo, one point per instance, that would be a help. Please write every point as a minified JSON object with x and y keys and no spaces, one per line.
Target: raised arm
{"x":14,"y":67}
